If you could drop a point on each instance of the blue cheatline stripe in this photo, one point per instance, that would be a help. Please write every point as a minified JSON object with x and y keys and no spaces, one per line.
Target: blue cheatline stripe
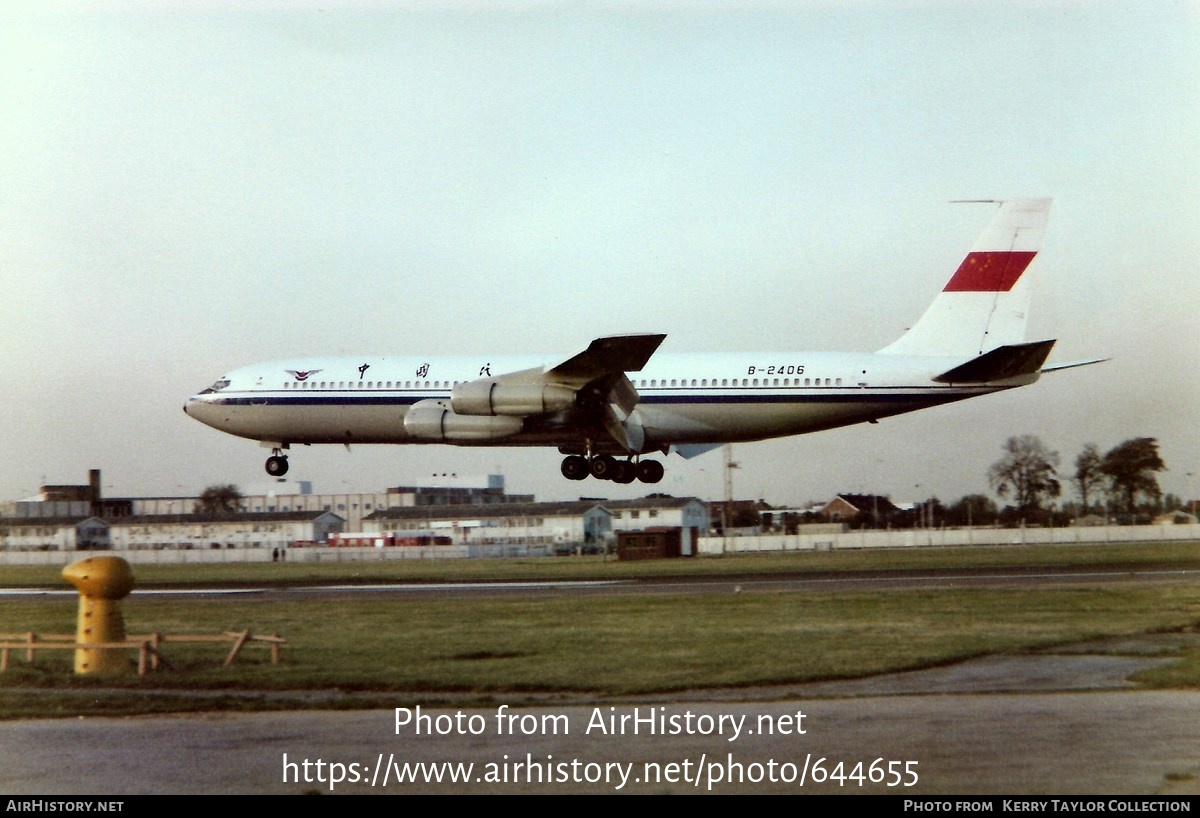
{"x":897,"y":394}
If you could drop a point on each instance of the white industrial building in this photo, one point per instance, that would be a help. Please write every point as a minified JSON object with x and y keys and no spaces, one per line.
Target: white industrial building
{"x":353,"y":507}
{"x":649,"y":513}
{"x":574,"y":522}
{"x":454,"y":510}
{"x":583,"y":522}
{"x":158,"y":532}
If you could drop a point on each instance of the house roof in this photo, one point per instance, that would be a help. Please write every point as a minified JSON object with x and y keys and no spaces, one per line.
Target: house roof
{"x":867,"y":502}
{"x":652,"y":502}
{"x":182,"y":519}
{"x":566,"y":508}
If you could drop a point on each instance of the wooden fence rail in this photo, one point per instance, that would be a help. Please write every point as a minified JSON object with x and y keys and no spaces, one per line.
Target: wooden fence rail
{"x":147,"y":645}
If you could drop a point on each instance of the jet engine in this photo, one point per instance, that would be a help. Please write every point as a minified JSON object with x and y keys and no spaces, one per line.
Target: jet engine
{"x":435,"y":420}
{"x":491,"y":397}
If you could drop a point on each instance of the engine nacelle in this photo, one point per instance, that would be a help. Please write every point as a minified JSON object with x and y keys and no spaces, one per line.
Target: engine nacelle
{"x":489,"y":397}
{"x":435,"y":420}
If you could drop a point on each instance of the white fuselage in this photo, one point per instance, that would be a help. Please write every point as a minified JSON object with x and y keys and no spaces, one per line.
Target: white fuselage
{"x":684,"y":399}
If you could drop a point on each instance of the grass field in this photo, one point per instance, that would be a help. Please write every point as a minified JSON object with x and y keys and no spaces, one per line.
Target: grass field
{"x":390,"y":649}
{"x":1149,"y":555}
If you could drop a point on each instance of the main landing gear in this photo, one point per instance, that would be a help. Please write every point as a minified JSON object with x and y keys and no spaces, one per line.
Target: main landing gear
{"x":277,"y":464}
{"x":607,"y":467}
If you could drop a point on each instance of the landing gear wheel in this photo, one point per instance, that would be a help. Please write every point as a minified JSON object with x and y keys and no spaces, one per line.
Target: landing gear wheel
{"x":650,"y":471}
{"x":604,"y":467}
{"x":575,"y":467}
{"x":625,"y":472}
{"x":277,"y":465}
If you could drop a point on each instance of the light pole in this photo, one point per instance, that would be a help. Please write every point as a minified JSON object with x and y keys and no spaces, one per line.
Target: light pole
{"x":729,"y":467}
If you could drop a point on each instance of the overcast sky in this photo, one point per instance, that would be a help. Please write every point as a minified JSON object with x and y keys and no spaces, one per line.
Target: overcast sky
{"x":190,"y":187}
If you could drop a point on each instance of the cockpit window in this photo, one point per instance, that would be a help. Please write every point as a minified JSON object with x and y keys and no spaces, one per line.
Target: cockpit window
{"x":216,"y":387}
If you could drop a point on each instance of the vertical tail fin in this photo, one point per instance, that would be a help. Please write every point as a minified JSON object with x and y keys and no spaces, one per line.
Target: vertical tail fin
{"x":986,"y":302}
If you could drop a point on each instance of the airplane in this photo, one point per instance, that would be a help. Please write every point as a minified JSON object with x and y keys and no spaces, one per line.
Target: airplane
{"x":608,"y":407}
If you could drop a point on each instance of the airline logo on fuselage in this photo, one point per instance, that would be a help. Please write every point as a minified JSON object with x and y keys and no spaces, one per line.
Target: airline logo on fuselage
{"x":301,"y":375}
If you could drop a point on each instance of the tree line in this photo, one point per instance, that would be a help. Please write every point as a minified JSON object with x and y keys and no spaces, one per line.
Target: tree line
{"x":1119,"y":485}
{"x":1122,"y":481}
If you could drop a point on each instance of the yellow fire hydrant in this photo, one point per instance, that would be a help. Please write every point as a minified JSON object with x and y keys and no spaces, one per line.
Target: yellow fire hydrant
{"x":102,"y":583}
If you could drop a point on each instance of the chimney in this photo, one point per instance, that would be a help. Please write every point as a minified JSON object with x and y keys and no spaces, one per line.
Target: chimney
{"x":94,"y":488}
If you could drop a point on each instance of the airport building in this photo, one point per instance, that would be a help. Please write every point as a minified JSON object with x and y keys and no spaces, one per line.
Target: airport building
{"x":565,"y":523}
{"x":460,"y":511}
{"x":688,"y":514}
{"x":66,"y":501}
{"x":177,"y":532}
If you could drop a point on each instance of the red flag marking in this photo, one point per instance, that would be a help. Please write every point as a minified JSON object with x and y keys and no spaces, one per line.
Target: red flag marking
{"x":992,"y":271}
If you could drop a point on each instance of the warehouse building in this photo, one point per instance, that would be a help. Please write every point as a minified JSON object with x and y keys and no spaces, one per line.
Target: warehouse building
{"x":158,"y":532}
{"x":550,"y":524}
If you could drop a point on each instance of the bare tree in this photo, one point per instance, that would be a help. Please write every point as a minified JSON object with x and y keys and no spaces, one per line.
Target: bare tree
{"x":1028,"y":471}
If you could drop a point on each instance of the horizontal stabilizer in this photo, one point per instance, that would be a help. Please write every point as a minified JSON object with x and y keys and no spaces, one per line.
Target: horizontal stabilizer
{"x":1073,"y":364}
{"x":1000,"y":364}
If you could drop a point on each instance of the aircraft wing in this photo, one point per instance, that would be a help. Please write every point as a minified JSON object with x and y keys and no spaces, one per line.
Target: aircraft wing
{"x":593,"y":381}
{"x":606,"y":356}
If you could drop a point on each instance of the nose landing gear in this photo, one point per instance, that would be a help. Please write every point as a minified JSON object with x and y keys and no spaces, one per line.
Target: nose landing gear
{"x":277,"y":464}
